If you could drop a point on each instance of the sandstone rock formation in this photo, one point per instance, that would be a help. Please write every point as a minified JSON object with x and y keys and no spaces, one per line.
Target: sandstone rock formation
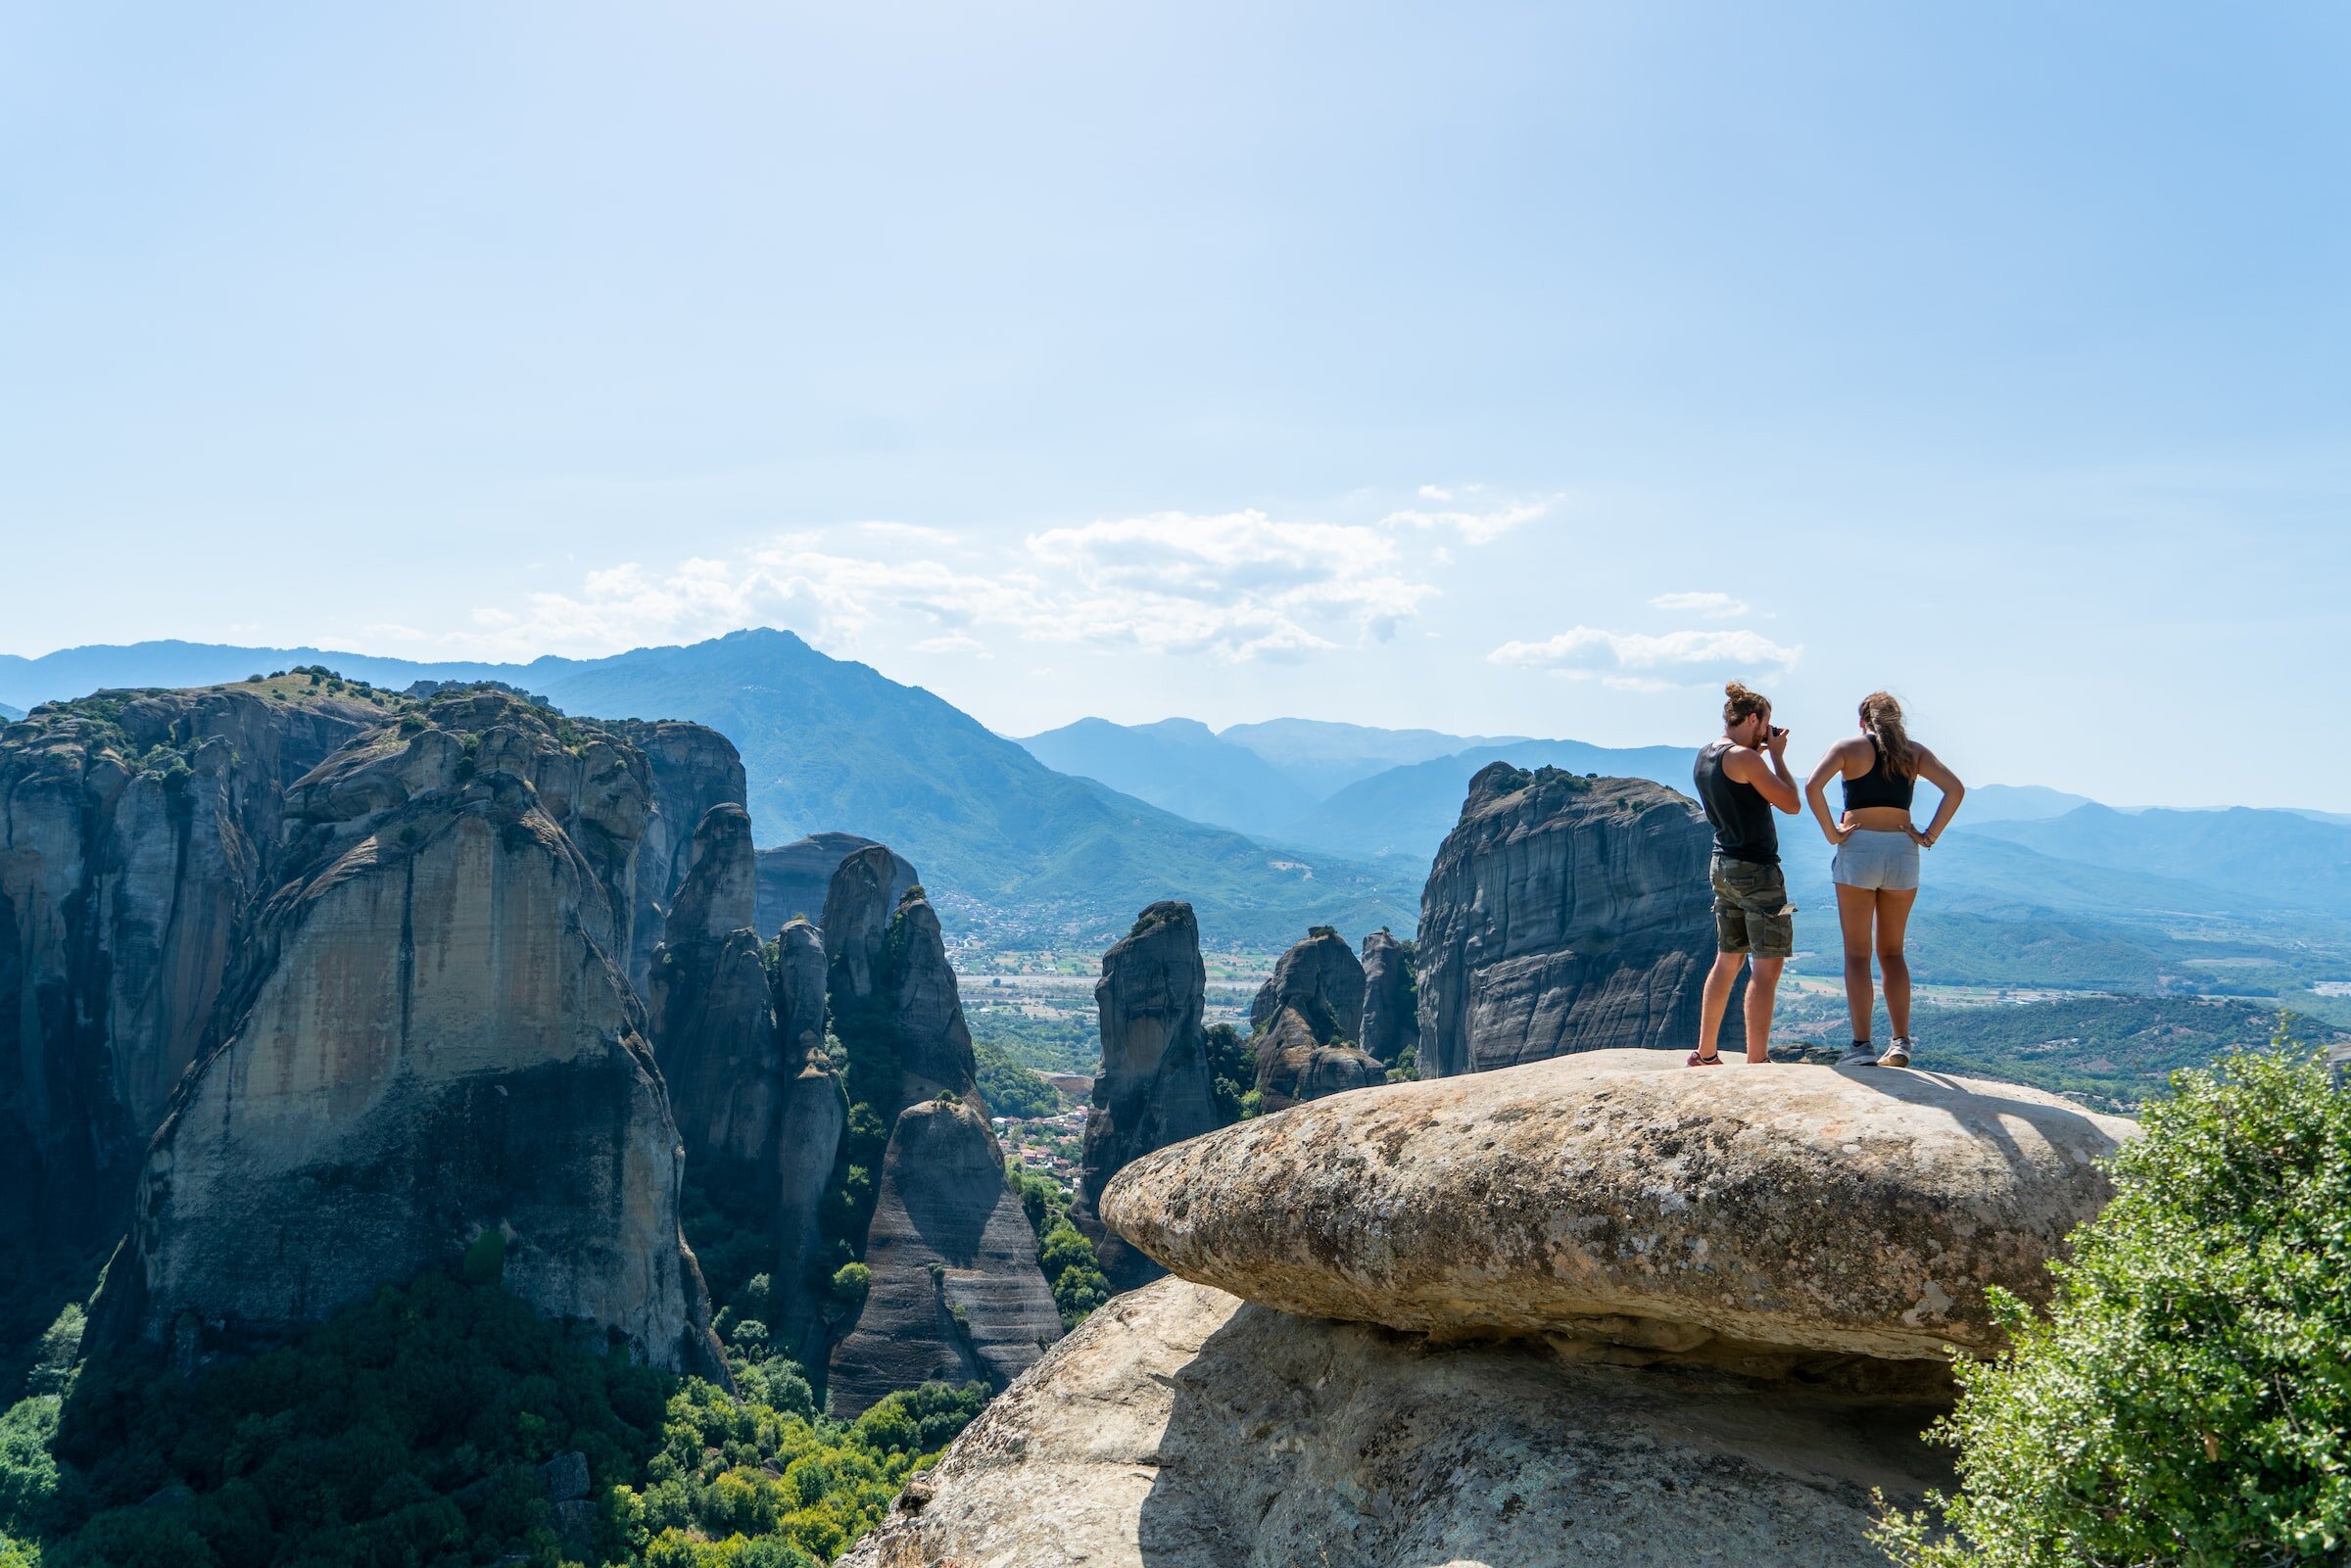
{"x":809,"y":1141}
{"x":430,"y":1038}
{"x":1391,"y":999}
{"x":795,"y":878}
{"x":944,"y":1197}
{"x":1777,"y":1210}
{"x":1305,"y":1021}
{"x":1154,"y":1087}
{"x":136,"y":829}
{"x":1322,"y":979}
{"x":1564,"y":914}
{"x":1180,"y":1428}
{"x":956,"y":1291}
{"x":1594,"y":1309}
{"x":692,"y":769}
{"x":712,"y":1012}
{"x":1294,"y":1065}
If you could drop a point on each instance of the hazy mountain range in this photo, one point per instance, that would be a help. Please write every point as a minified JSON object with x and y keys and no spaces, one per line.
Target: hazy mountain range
{"x":1270,"y":827}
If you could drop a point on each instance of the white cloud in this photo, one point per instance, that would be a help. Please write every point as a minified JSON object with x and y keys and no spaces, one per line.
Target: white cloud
{"x":1432,"y":492}
{"x":1638,"y":661}
{"x":914,"y":532}
{"x":1236,"y":586}
{"x":1475,"y":528}
{"x":1714,"y":606}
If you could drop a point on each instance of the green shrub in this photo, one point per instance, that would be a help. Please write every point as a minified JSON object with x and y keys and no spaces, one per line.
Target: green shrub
{"x":850,"y":1282}
{"x":2188,"y":1399}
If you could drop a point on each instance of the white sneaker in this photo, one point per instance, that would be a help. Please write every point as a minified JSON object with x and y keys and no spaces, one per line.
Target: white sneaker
{"x":1859,"y":1054}
{"x":1898,"y":1055}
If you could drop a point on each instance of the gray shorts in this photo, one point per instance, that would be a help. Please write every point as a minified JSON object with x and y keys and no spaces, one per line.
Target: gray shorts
{"x":1881,"y":862}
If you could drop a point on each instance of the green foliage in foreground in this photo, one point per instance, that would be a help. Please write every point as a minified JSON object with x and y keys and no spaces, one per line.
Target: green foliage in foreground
{"x":2187,"y":1401}
{"x":410,"y":1430}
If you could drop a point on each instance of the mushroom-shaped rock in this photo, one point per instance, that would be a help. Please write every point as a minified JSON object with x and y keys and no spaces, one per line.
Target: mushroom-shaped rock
{"x":1605,"y":1196}
{"x":1180,"y":1428}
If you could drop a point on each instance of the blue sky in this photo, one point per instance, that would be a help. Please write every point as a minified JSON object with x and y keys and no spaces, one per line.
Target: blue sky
{"x":1495,"y":368}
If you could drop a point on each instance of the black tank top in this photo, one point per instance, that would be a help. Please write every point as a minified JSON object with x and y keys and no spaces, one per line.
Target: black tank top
{"x":1739,"y":814}
{"x":1879,"y":787}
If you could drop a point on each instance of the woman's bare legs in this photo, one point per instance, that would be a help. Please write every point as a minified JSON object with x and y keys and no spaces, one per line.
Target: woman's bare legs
{"x":1894,"y":918}
{"x":1856,"y":909}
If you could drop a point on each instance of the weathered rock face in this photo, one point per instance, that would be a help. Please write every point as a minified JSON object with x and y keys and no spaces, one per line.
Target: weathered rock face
{"x":957,"y":1292}
{"x":1323,"y":981}
{"x":432,"y":1038}
{"x":1748,"y":1213}
{"x":1293,"y":1065}
{"x":136,"y":829}
{"x":712,"y":1010}
{"x":1154,"y":1087}
{"x":692,"y":769}
{"x":1180,"y":1428}
{"x":1303,"y":1023}
{"x":1563,"y":914}
{"x":808,"y":1137}
{"x":795,"y":878}
{"x":1391,"y":999}
{"x":943,"y":1199}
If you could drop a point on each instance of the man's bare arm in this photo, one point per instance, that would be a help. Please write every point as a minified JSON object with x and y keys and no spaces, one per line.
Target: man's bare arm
{"x":1771,"y":779}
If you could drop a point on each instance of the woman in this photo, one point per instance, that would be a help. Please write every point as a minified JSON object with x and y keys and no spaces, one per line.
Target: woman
{"x":1876,"y":870}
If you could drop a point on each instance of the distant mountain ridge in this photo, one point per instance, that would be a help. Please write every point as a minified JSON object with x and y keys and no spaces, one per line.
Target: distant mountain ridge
{"x":830,"y":744}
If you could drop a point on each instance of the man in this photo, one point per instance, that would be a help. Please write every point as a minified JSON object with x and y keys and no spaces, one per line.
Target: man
{"x":1742,"y":779}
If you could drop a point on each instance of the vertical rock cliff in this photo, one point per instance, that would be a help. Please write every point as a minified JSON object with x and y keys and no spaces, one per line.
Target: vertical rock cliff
{"x":712,"y":1010}
{"x":1154,"y":1087}
{"x":1391,"y":999}
{"x":944,"y":1212}
{"x":809,"y":1142}
{"x":1305,"y":1021}
{"x":135,"y":830}
{"x":431,"y":1040}
{"x":795,"y":878}
{"x":1563,"y":914}
{"x":692,"y":769}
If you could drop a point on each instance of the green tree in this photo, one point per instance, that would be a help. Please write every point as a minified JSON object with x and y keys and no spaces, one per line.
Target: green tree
{"x":2188,"y":1399}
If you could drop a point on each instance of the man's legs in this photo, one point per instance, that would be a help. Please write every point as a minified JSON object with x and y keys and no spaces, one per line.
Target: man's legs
{"x":1763,"y":991}
{"x":1715,"y":1000}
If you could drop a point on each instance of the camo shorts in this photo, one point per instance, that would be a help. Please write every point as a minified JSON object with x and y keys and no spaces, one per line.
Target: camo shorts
{"x":1751,"y":912}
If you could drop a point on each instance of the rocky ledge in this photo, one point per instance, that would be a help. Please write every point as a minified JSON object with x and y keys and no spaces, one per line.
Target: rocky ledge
{"x":1615,"y":1195}
{"x":1181,"y":1427}
{"x":1596,"y":1309}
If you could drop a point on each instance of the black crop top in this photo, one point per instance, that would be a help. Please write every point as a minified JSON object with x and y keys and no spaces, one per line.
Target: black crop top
{"x":1879,"y":787}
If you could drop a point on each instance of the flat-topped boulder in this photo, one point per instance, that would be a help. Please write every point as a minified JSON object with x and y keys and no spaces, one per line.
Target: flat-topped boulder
{"x":1178,"y":1427}
{"x":1616,"y":1195}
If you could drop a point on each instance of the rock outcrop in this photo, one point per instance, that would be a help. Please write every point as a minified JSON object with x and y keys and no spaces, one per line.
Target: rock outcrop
{"x":692,"y":769}
{"x":1588,"y":1310}
{"x":795,"y":878}
{"x":432,"y":1040}
{"x":1322,"y":979}
{"x":1154,"y":1087}
{"x":944,"y":1202}
{"x":1776,"y":1210}
{"x":136,"y":830}
{"x":712,"y":1010}
{"x":809,"y":1143}
{"x":1563,"y":914}
{"x":957,"y":1292}
{"x":1305,"y":1021}
{"x":1391,"y":1000}
{"x":1179,"y":1427}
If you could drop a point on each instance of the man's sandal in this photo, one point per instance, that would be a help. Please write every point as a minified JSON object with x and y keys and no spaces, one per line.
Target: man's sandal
{"x":1696,"y":1061}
